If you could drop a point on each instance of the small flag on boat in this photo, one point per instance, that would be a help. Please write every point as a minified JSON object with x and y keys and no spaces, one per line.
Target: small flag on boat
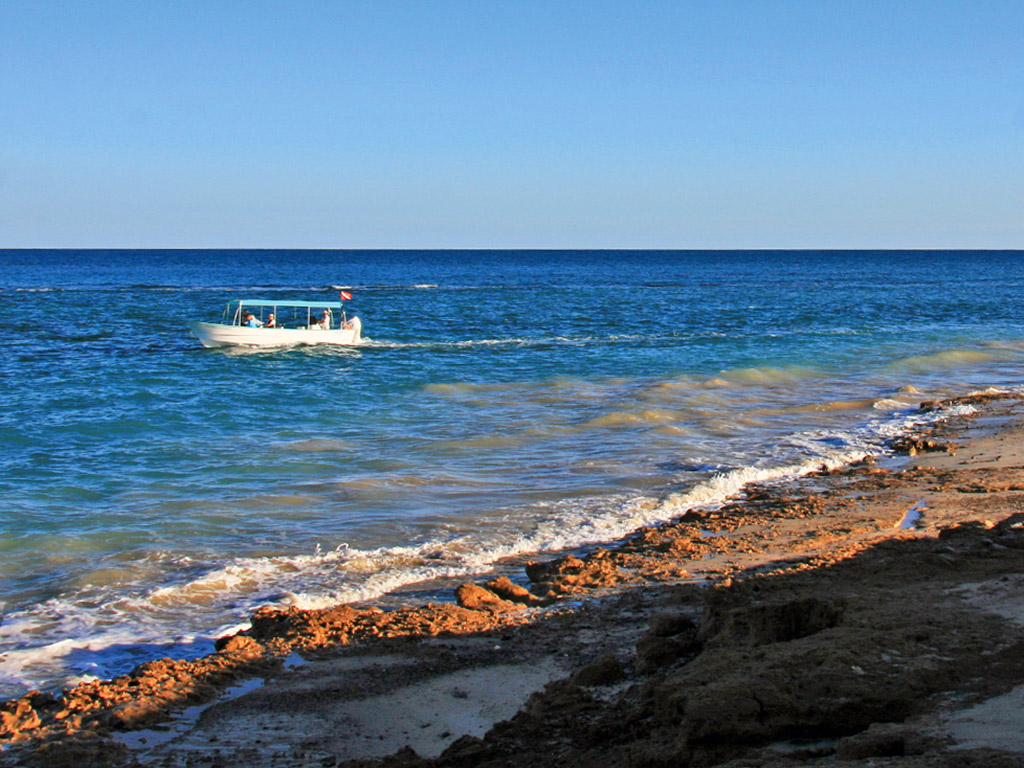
{"x":345,"y":295}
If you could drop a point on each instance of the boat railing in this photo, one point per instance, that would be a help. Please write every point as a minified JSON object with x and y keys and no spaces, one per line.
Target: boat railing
{"x":236,"y":309}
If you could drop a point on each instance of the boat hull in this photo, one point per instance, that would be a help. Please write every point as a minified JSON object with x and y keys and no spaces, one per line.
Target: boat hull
{"x":213,"y":335}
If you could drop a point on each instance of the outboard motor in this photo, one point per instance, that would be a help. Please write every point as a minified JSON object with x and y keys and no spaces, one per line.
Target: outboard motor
{"x":357,"y":326}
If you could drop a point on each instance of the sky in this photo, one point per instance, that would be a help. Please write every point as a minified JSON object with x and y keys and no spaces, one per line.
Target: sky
{"x":503,"y":124}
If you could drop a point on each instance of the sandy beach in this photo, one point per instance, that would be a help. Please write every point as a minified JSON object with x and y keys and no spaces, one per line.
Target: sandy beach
{"x":870,"y":615}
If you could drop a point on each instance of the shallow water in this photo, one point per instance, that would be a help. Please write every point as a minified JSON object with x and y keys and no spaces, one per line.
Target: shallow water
{"x":155,"y":492}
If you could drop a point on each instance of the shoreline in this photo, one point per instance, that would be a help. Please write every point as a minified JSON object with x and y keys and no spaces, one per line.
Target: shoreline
{"x":56,"y":645}
{"x":624,"y":629}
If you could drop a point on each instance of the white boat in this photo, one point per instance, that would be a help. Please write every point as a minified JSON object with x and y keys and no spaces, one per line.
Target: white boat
{"x":260,"y":323}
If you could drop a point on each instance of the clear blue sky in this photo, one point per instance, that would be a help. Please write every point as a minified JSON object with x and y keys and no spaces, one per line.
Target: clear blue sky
{"x":478,"y":124}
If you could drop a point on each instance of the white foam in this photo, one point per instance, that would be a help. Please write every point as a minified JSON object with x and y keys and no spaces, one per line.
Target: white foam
{"x":543,"y":341}
{"x":570,"y":524}
{"x":887,"y":404}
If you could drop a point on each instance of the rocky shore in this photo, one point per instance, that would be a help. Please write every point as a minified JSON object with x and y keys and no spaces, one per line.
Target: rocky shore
{"x":871,"y":615}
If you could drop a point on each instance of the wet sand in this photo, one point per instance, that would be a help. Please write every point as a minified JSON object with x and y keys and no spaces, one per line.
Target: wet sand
{"x":868,"y":615}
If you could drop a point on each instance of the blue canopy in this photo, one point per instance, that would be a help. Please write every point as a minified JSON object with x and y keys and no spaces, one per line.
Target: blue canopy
{"x":280,"y":303}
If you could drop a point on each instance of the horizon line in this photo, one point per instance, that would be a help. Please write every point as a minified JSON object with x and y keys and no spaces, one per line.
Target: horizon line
{"x":520,"y":250}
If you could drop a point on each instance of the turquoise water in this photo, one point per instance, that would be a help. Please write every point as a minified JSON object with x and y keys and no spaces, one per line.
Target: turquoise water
{"x":155,"y":492}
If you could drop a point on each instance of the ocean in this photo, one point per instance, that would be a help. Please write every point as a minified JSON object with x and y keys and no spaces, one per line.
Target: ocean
{"x":506,"y":404}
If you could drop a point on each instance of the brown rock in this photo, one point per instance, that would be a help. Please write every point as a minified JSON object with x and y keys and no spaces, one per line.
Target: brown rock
{"x":669,"y":624}
{"x":467,"y":750}
{"x":83,"y":750}
{"x":570,"y":574}
{"x":655,"y":652}
{"x":240,"y":645}
{"x":881,"y":740}
{"x":968,"y":529}
{"x":505,"y":589}
{"x":605,"y":671}
{"x":772,"y":622}
{"x":477,"y":598}
{"x":135,"y":713}
{"x":545,"y":571}
{"x":17,"y":717}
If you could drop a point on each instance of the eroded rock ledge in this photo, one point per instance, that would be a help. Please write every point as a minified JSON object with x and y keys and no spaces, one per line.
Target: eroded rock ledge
{"x":808,"y":667}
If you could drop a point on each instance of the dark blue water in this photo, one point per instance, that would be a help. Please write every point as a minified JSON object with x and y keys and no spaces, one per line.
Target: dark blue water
{"x":506,"y":402}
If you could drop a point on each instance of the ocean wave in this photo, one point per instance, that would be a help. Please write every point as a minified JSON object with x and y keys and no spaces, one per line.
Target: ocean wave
{"x":762,"y":375}
{"x":539,"y":341}
{"x":316,"y":445}
{"x":515,"y":341}
{"x":949,"y":358}
{"x":644,"y":416}
{"x":228,"y":291}
{"x":385,"y":288}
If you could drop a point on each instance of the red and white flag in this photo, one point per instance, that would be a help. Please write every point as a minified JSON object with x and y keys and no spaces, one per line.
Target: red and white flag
{"x":345,"y":295}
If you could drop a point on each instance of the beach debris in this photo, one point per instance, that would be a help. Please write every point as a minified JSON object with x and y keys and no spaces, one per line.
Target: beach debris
{"x":977,"y":398}
{"x":912,"y":445}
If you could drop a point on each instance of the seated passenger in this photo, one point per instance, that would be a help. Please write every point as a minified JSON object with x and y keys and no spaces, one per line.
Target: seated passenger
{"x":249,"y":320}
{"x":325,"y":322}
{"x":271,"y":322}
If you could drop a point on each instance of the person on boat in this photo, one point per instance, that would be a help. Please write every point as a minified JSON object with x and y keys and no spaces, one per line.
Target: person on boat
{"x":250,"y":320}
{"x":325,"y":322}
{"x":271,"y":322}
